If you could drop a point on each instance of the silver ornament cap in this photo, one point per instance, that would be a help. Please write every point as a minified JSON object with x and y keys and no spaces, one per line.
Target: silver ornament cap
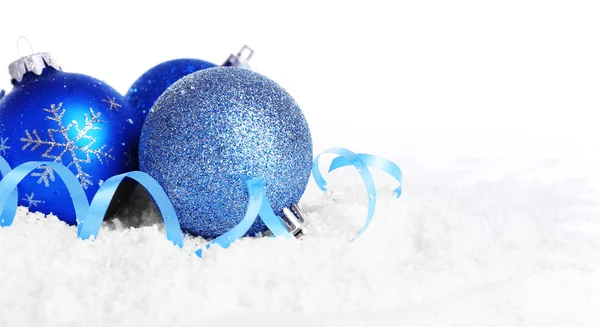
{"x":34,"y":63}
{"x":241,"y":59}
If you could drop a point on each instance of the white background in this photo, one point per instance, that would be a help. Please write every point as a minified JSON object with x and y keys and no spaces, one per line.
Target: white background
{"x":506,"y":78}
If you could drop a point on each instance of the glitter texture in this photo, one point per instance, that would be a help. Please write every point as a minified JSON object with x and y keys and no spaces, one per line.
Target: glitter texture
{"x":212,"y":130}
{"x":146,"y":89}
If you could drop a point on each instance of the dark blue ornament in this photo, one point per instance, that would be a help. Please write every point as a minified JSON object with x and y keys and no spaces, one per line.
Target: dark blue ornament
{"x":74,"y":119}
{"x":146,"y":89}
{"x":216,"y":128}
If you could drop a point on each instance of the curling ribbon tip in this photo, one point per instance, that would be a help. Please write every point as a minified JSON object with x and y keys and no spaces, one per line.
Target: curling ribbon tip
{"x":398,"y":192}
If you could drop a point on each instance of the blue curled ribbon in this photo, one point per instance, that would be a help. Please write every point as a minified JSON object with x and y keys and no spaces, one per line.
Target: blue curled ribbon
{"x":90,"y":225}
{"x":353,"y":159}
{"x":258,"y":204}
{"x":360,"y":162}
{"x":8,"y":187}
{"x":9,"y":211}
{"x":94,"y":213}
{"x":375,"y":162}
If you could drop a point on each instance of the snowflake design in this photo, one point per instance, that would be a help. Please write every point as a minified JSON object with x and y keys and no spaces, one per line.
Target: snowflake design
{"x":112,"y":103}
{"x":68,"y":145}
{"x":45,"y":176}
{"x":32,"y":202}
{"x":3,"y":146}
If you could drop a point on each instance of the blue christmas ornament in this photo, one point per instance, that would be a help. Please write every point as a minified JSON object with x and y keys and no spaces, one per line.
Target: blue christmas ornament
{"x":146,"y":89}
{"x":213,"y":130}
{"x":73,"y":119}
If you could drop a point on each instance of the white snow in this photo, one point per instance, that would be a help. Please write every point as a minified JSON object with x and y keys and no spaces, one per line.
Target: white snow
{"x":473,"y":241}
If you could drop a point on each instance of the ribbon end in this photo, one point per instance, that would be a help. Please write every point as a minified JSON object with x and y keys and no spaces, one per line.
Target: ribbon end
{"x":323,"y":187}
{"x":86,"y":236}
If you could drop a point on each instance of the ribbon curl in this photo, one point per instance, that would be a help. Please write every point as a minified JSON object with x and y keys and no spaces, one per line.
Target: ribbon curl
{"x":90,"y":225}
{"x":375,"y":162}
{"x":10,"y":181}
{"x":360,"y":162}
{"x":9,"y":211}
{"x":93,"y":214}
{"x":258,"y":204}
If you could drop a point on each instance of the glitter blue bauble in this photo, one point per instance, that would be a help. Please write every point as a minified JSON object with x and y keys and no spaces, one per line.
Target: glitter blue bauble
{"x":74,"y":119}
{"x":146,"y":89}
{"x":216,"y":128}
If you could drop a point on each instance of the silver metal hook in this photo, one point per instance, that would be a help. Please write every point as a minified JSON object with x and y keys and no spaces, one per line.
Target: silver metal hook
{"x":241,"y":59}
{"x":19,"y":48}
{"x":245,"y":53}
{"x":293,"y":220}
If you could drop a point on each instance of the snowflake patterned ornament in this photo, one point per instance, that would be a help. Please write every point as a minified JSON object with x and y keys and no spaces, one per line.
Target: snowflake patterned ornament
{"x":72,"y":119}
{"x":68,"y":146}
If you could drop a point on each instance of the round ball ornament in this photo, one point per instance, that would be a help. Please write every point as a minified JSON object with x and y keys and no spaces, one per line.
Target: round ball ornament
{"x":214,"y":129}
{"x":74,"y":119}
{"x":147,"y":88}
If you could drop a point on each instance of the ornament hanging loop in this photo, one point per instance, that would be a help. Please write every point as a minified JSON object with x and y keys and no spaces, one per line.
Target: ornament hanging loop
{"x":245,"y":53}
{"x":19,"y":46}
{"x":241,"y":59}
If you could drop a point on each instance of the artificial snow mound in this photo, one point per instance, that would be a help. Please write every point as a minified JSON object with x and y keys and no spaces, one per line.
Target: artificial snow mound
{"x":473,"y":244}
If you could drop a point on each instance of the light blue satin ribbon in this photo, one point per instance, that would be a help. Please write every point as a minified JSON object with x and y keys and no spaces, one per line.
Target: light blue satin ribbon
{"x":360,"y":162}
{"x":90,"y":225}
{"x":8,"y":186}
{"x":354,"y":160}
{"x":258,"y":204}
{"x":375,"y":162}
{"x":10,"y":207}
{"x":94,"y":214}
